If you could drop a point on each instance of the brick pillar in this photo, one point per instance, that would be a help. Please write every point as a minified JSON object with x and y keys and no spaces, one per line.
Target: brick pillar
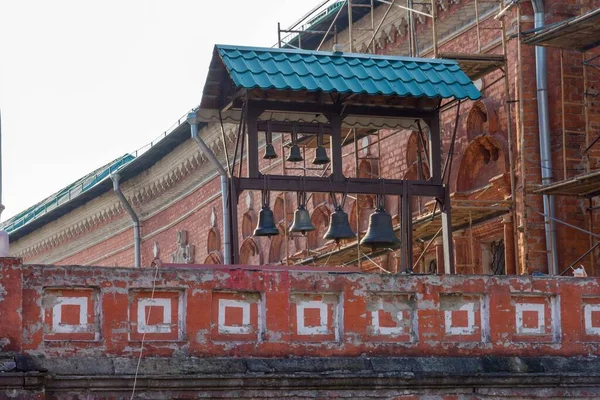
{"x":462,"y":254}
{"x":11,"y":304}
{"x":439,"y":255}
{"x":509,"y":245}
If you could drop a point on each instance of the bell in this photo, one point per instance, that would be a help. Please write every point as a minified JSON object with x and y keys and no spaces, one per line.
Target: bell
{"x":339,"y":227}
{"x":269,"y":152}
{"x":302,"y":222}
{"x":295,"y":155}
{"x":266,"y":223}
{"x":380,"y":232}
{"x":321,"y":156}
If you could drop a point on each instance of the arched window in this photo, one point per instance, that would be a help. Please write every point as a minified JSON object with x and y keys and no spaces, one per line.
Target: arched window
{"x":213,"y":242}
{"x":320,"y":219}
{"x":247,"y":224}
{"x":278,"y":209}
{"x":483,"y":159}
{"x":250,"y":252}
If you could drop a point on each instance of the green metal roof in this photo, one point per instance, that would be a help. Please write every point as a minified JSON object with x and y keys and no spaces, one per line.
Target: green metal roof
{"x":65,"y":195}
{"x":282,"y":69}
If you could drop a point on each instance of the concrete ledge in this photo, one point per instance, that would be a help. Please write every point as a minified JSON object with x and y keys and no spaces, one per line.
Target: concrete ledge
{"x":405,"y":367}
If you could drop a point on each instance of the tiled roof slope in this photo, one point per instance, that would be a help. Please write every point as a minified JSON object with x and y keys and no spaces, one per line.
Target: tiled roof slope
{"x":282,"y":69}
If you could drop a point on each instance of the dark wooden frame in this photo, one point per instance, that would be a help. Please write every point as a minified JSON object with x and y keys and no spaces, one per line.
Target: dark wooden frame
{"x":337,"y":182}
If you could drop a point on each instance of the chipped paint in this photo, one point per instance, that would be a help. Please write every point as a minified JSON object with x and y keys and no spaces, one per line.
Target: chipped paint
{"x":276,"y":313}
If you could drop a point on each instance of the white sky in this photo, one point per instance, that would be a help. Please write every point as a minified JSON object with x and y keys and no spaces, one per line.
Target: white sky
{"x":83,"y":82}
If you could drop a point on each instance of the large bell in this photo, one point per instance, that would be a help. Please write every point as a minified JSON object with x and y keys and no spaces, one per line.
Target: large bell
{"x":380,"y":232}
{"x":266,"y":223}
{"x":302,"y":222}
{"x":295,"y":155}
{"x":321,"y":156}
{"x":269,"y":152}
{"x":339,"y":227}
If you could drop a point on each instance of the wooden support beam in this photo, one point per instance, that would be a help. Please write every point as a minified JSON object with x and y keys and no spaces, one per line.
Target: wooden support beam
{"x":447,"y":240}
{"x":286,"y":183}
{"x":335,"y":147}
{"x":435,"y":156}
{"x":343,"y":110}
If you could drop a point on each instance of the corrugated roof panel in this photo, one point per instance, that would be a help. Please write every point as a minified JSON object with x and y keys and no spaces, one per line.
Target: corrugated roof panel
{"x":266,"y":68}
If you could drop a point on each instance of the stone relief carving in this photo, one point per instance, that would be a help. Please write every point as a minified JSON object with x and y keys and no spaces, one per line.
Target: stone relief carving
{"x":184,"y":254}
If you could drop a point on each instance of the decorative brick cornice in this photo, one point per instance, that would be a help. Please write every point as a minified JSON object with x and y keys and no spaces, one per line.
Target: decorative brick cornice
{"x":141,"y":196}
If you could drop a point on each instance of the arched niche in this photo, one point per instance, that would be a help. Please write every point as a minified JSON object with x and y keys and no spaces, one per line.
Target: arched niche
{"x":248,"y":222}
{"x":319,"y":198}
{"x":413,"y":146}
{"x":483,"y":159}
{"x":482,"y":118}
{"x":278,"y":213}
{"x":413,"y":174}
{"x":320,"y":219}
{"x":277,"y":250}
{"x":367,"y":169}
{"x":367,"y":206}
{"x":214,"y":258}
{"x":250,"y":252}
{"x":213,"y":242}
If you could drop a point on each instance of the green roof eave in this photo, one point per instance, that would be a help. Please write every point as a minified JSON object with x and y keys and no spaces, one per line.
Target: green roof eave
{"x":308,"y":70}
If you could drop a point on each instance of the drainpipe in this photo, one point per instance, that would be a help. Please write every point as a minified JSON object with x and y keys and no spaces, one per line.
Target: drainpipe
{"x":192,"y":120}
{"x":545,"y":150}
{"x":137,"y":240}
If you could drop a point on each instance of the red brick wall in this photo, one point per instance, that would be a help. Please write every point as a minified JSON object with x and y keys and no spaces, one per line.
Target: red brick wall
{"x":469,"y":165}
{"x":244,"y":311}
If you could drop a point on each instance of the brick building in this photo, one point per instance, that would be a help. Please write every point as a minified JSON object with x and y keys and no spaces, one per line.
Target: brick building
{"x":498,"y":228}
{"x":303,"y":325}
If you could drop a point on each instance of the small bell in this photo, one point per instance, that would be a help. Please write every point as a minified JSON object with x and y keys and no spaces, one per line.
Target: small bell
{"x":295,"y":155}
{"x":380,"y":232}
{"x":269,"y":148}
{"x":320,"y":153}
{"x":302,"y":222}
{"x":339,"y":227}
{"x":269,"y":152}
{"x":266,"y":223}
{"x":321,"y":156}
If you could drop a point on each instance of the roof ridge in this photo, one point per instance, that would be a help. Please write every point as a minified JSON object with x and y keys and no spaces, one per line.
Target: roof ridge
{"x":318,"y":53}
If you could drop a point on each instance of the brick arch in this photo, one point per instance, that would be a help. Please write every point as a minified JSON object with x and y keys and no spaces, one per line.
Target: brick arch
{"x":250,"y":252}
{"x":320,"y":219}
{"x":319,"y":198}
{"x":417,"y":202}
{"x":411,"y":149}
{"x":213,"y":242}
{"x":214,"y":258}
{"x":482,"y":118}
{"x":367,"y":169}
{"x":248,"y":221}
{"x":278,"y":214}
{"x":277,"y":248}
{"x":367,"y":206}
{"x":483,"y":159}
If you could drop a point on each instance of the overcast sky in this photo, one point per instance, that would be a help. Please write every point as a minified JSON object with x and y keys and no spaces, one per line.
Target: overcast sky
{"x":83,"y":82}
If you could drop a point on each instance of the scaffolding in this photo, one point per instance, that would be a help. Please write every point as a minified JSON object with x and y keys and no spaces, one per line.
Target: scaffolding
{"x":577,"y":34}
{"x":326,"y":25}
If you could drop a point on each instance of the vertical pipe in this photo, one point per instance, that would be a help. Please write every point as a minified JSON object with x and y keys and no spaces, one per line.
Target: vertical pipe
{"x":434,"y":27}
{"x":357,"y":208}
{"x":562,"y":102}
{"x":544,"y":133}
{"x":411,"y":34}
{"x":224,"y":186}
{"x":350,"y":46}
{"x":477,"y":22}
{"x":137,"y":239}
